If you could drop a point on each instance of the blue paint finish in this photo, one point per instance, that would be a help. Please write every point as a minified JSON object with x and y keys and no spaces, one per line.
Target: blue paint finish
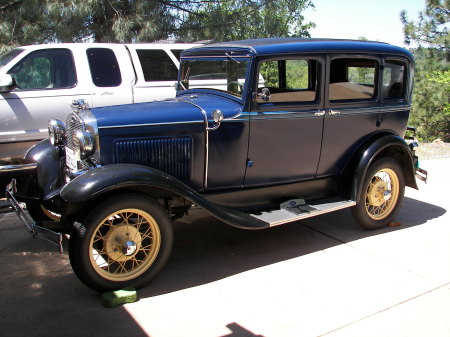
{"x":295,"y":45}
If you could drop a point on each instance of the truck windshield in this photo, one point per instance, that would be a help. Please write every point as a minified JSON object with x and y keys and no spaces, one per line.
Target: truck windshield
{"x":5,"y":58}
{"x":228,"y":75}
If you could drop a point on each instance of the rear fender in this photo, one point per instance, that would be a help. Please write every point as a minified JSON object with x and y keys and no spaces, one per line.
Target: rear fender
{"x":390,"y":145}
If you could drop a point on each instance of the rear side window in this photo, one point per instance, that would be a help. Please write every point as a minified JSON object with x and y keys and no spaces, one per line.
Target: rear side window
{"x":157,"y":65}
{"x":353,"y":79}
{"x":104,"y":67}
{"x":45,"y":69}
{"x":394,"y":79}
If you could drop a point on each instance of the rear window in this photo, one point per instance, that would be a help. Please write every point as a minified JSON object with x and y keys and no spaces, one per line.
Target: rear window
{"x":394,"y":79}
{"x":104,"y":67}
{"x":353,"y":79}
{"x":157,"y":65}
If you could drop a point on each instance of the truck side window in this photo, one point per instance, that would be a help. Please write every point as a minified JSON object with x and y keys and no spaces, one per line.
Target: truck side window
{"x":352,"y":79}
{"x":45,"y":69}
{"x":394,"y":77}
{"x":157,"y":65}
{"x":289,"y":80}
{"x":105,"y":70}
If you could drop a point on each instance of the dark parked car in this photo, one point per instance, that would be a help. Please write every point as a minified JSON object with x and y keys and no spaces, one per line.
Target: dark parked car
{"x":261,"y":133}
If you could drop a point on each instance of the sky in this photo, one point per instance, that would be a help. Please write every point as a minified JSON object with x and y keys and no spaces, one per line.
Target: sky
{"x":377,"y":20}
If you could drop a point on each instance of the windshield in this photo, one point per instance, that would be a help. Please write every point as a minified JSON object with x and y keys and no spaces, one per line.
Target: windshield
{"x":5,"y":58}
{"x":227,"y":75}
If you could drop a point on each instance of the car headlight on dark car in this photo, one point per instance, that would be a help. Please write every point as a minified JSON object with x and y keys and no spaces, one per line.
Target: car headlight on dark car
{"x":56,"y":131}
{"x":86,"y":143}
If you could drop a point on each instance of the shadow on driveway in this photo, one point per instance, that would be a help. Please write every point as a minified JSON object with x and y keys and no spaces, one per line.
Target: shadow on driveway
{"x":40,"y":295}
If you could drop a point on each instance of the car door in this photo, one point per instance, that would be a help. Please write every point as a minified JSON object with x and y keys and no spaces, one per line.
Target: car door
{"x":351,"y":109}
{"x":46,"y":82}
{"x":286,"y":121}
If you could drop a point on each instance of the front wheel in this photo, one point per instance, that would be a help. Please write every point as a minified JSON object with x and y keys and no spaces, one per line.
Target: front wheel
{"x":381,"y":194}
{"x":123,"y":242}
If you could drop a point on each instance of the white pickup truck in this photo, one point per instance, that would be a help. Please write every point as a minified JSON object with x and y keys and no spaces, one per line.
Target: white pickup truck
{"x":39,"y":82}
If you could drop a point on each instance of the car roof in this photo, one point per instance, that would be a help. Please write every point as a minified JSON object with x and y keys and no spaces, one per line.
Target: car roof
{"x":270,"y":46}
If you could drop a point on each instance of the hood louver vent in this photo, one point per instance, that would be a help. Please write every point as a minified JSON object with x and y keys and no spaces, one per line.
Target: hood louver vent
{"x":170,"y":155}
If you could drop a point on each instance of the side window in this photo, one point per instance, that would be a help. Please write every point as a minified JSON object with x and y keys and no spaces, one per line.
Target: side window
{"x":105,"y":70}
{"x":177,"y":53}
{"x":394,"y":79}
{"x":45,"y":69}
{"x":353,"y":79}
{"x":157,"y":65}
{"x":289,"y":81}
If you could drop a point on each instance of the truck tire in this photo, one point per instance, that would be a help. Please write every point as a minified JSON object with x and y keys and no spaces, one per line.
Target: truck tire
{"x":122,"y":242}
{"x":381,"y":194}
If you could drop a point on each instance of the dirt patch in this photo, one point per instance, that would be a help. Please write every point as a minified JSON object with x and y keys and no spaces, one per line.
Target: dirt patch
{"x":433,"y":150}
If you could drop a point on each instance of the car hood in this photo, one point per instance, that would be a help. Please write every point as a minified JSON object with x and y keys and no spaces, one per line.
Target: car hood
{"x":183,"y":109}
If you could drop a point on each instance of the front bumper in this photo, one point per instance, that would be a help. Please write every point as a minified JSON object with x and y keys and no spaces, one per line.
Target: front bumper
{"x":35,"y":228}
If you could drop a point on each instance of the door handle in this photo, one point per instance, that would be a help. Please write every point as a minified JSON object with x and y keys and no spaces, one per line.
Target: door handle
{"x":320,"y":113}
{"x":333,"y":112}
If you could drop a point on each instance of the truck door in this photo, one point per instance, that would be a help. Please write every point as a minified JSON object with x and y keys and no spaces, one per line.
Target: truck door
{"x":286,"y":121}
{"x":111,"y":84}
{"x":46,"y":83}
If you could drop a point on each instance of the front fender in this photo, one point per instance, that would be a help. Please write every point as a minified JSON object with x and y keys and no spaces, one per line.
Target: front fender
{"x":42,"y":173}
{"x":103,"y":180}
{"x":388,"y":145}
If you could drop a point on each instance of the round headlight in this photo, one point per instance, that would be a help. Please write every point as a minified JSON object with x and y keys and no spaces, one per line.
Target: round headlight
{"x":86,"y":143}
{"x":56,"y":131}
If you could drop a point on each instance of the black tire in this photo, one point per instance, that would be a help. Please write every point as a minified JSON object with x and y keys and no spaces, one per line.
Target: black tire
{"x":381,"y":194}
{"x":124,"y":242}
{"x":39,"y":212}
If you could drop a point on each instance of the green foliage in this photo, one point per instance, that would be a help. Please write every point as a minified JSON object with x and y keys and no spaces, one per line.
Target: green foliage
{"x":245,"y":19}
{"x":40,"y":21}
{"x":430,"y":107}
{"x":431,"y":28}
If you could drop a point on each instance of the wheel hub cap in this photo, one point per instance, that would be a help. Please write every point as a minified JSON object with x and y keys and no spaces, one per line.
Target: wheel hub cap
{"x":122,"y":242}
{"x":379,"y":193}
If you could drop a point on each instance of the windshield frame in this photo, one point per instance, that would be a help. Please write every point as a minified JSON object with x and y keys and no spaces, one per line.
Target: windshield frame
{"x":226,"y":57}
{"x":7,"y":57}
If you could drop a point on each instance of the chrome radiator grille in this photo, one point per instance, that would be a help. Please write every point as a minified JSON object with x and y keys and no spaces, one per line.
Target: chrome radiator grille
{"x":73,"y":124}
{"x":170,"y":155}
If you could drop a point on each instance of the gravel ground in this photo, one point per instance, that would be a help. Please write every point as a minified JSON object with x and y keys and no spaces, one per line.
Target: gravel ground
{"x":427,"y":151}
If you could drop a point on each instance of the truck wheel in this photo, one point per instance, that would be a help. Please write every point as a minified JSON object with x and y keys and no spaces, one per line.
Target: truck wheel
{"x":123,"y":242}
{"x":40,"y":213}
{"x":381,"y":194}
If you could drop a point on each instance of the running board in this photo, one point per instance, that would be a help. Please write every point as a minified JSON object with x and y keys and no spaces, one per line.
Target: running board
{"x":290,"y":214}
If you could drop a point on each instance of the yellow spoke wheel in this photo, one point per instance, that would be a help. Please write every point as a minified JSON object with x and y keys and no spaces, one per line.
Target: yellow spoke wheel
{"x":123,"y":241}
{"x":125,"y":244}
{"x":381,"y":193}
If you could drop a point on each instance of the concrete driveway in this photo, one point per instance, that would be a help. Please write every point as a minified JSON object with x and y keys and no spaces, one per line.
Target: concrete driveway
{"x":320,"y":277}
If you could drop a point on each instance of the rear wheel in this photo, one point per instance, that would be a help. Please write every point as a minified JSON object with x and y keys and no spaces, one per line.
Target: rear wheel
{"x":381,"y":194}
{"x":124,"y":242}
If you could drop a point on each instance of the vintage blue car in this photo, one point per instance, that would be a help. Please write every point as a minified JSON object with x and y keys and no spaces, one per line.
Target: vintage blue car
{"x":261,"y":133}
